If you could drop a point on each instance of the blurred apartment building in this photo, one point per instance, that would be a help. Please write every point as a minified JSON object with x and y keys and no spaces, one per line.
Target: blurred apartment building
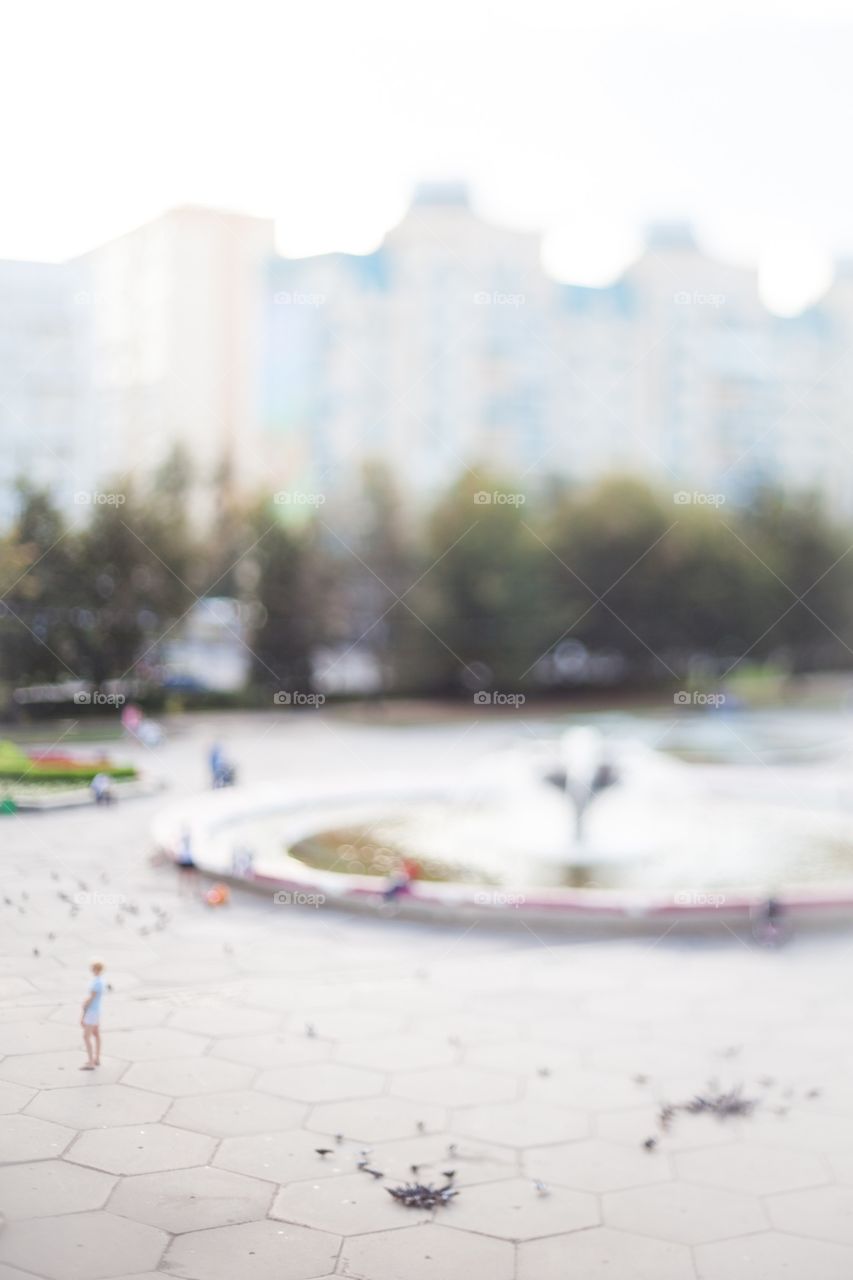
{"x":449,"y":347}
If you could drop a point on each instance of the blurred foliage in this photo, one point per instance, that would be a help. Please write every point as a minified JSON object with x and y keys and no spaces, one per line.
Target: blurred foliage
{"x":485,"y":589}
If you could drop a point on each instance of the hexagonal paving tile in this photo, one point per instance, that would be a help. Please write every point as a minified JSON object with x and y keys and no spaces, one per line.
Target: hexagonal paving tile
{"x":141,"y":1149}
{"x":266,"y":1250}
{"x":284,"y":1157}
{"x":357,"y":1024}
{"x":524,"y":1057}
{"x":806,"y":1130}
{"x":397,"y":1053}
{"x":454,"y":1086}
{"x":13,"y":1098}
{"x":632,"y":1126}
{"x":154,"y":1042}
{"x":595,"y":1165}
{"x":321,"y":1082}
{"x":773,"y":1256}
{"x":99,"y":1105}
{"x":82,"y":1246}
{"x":587,"y":1090}
{"x":748,"y":1167}
{"x":602,"y":1254}
{"x":348,"y":1205}
{"x":523,"y":1124}
{"x":430,"y":1252}
{"x":472,"y":1160}
{"x":514,"y":1210}
{"x":185,"y":1077}
{"x":376,"y":1119}
{"x":12,"y":1273}
{"x":63,"y":1067}
{"x":240,"y":1111}
{"x":25,"y":1138}
{"x":191,"y":1199}
{"x":38,"y":1037}
{"x":683,"y":1213}
{"x":47,"y":1187}
{"x":824,"y":1212}
{"x":281,"y":1050}
{"x":224,"y":1020}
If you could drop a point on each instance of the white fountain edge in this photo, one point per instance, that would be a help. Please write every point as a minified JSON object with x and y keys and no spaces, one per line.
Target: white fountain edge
{"x":205,"y":816}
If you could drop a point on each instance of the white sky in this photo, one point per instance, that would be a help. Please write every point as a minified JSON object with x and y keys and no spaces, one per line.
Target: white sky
{"x":585,"y":125}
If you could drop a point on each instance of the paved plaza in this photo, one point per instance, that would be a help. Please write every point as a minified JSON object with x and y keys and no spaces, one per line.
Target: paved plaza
{"x":241,"y":1042}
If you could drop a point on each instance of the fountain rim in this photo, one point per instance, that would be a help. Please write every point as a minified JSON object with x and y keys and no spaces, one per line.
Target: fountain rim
{"x":208,"y":814}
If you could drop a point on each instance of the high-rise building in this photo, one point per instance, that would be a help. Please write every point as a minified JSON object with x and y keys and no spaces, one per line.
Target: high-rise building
{"x":447,"y":348}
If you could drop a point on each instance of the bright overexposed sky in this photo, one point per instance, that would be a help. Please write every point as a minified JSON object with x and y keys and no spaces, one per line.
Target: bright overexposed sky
{"x":583,"y":122}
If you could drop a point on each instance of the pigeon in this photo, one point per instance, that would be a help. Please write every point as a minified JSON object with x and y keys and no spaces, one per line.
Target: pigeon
{"x":323,"y":1151}
{"x":36,"y":951}
{"x":310,"y":1031}
{"x":374,"y":1173}
{"x":420,"y":1126}
{"x":451,"y":1150}
{"x":813,"y":1093}
{"x":415,"y":1169}
{"x":540,"y":1188}
{"x":543,"y":1071}
{"x":448,"y":1174}
{"x":650,"y":1144}
{"x":640,"y":1079}
{"x":339,"y":1137}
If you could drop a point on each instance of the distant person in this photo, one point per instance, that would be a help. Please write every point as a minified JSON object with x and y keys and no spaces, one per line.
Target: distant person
{"x":185,"y":862}
{"x":770,"y":926}
{"x":216,"y":760}
{"x":101,"y":788}
{"x":91,"y":1019}
{"x":400,"y":880}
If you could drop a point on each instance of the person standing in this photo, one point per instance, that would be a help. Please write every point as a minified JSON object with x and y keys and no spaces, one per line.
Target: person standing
{"x":91,"y":1019}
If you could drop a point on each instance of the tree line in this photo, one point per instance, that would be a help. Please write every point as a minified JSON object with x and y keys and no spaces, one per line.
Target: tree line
{"x":612,"y":583}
